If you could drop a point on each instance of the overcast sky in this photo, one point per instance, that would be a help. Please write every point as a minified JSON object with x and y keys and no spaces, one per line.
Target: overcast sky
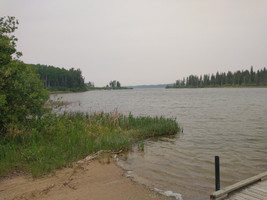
{"x":142,"y":41}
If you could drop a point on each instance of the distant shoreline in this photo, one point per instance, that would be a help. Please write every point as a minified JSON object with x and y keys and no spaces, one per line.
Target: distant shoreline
{"x":237,"y":86}
{"x":90,"y":89}
{"x":152,"y":87}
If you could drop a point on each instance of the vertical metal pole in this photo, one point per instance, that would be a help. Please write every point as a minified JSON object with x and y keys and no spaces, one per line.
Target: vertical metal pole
{"x":217,"y":173}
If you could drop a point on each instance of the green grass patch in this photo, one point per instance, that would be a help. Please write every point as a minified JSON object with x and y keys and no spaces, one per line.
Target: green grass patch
{"x":57,"y":141}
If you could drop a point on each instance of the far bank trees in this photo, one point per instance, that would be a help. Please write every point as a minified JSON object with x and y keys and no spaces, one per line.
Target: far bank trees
{"x":114,"y":84}
{"x":238,"y":78}
{"x":56,"y":78}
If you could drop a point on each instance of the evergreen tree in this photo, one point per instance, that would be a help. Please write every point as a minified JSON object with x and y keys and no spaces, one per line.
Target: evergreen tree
{"x":238,"y":78}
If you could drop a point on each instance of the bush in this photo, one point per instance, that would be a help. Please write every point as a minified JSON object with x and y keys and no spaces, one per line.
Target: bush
{"x":22,"y":95}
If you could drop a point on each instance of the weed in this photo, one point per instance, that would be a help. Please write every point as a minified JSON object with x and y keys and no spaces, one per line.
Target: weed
{"x":56,"y":141}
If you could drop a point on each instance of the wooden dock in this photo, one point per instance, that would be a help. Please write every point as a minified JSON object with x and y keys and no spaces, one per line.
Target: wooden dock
{"x":254,"y":188}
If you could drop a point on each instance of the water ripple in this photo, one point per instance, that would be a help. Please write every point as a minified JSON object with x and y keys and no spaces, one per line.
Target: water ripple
{"x":228,"y":122}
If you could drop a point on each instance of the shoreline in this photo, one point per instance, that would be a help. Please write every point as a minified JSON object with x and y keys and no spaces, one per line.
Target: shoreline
{"x":262,"y":86}
{"x":86,"y":178}
{"x":87,"y":90}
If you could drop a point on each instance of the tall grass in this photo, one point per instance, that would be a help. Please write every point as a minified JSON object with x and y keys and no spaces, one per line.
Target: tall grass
{"x":57,"y":141}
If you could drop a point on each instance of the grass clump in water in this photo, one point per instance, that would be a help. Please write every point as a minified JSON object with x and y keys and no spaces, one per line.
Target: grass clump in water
{"x":57,"y":141}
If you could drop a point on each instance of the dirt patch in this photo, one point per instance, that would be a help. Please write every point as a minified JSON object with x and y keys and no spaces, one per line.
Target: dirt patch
{"x":88,"y":179}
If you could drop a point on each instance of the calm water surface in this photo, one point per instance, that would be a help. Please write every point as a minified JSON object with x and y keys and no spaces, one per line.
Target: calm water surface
{"x":228,"y":122}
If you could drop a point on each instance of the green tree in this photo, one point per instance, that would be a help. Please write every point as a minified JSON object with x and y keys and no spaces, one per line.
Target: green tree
{"x":246,"y":78}
{"x":22,"y":95}
{"x":118,"y":84}
{"x":114,"y":84}
{"x":55,"y":78}
{"x":8,"y":41}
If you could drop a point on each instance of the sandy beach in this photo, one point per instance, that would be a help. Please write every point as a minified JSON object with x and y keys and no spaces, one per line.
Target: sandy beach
{"x":85,"y":180}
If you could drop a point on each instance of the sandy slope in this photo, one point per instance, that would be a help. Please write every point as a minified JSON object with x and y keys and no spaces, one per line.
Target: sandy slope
{"x":87,"y":180}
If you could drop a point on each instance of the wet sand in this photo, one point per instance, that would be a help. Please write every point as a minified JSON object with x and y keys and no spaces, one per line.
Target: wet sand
{"x":86,"y":180}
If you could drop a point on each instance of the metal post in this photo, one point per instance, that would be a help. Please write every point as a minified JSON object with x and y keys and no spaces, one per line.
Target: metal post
{"x":217,"y":173}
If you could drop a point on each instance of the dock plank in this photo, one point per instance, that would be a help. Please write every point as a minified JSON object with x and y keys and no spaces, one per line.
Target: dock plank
{"x":236,"y":198}
{"x":253,"y":188}
{"x":260,"y":189}
{"x":247,"y":197}
{"x":257,"y":191}
{"x":253,"y":194}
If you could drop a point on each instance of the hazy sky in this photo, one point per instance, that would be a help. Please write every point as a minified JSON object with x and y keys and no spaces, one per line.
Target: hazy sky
{"x":142,"y":41}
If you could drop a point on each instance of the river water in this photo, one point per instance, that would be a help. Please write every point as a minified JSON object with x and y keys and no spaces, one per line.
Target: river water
{"x":228,"y":122}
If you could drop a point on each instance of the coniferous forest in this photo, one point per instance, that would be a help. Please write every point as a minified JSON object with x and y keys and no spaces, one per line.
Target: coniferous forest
{"x":56,"y":78}
{"x":61,"y":79}
{"x":229,"y":79}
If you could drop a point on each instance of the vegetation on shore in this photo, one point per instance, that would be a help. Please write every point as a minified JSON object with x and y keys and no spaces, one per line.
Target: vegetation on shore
{"x":22,"y":95}
{"x":56,"y":141}
{"x":35,"y":140}
{"x":237,"y":79}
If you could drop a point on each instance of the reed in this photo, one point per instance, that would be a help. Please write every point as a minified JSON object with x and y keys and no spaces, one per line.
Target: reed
{"x":57,"y":141}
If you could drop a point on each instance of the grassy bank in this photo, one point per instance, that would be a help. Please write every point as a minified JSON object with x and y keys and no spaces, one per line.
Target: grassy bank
{"x":56,"y":141}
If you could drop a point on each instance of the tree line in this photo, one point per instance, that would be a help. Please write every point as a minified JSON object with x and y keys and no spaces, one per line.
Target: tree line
{"x":231,"y":79}
{"x":114,"y":84}
{"x":56,"y":78}
{"x":60,"y":79}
